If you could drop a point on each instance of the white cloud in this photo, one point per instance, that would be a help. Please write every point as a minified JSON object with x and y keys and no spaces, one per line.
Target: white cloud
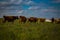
{"x":31,"y":3}
{"x":33,"y":7}
{"x":20,"y":11}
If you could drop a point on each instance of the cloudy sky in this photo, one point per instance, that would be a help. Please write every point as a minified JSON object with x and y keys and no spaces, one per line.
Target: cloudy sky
{"x":28,"y":8}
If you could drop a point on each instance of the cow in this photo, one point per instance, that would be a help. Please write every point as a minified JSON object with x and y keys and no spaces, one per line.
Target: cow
{"x":9,"y":18}
{"x":57,"y":21}
{"x":33,"y":19}
{"x":47,"y":20}
{"x":42,"y":19}
{"x":16,"y":17}
{"x":23,"y":19}
{"x":52,"y":20}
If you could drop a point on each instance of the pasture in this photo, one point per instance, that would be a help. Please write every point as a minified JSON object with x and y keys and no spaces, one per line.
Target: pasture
{"x":29,"y":31}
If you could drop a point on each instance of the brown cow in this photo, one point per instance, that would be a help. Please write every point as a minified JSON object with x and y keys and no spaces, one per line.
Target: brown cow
{"x":10,"y":18}
{"x":23,"y":19}
{"x":57,"y":21}
{"x":33,"y":19}
{"x":42,"y":19}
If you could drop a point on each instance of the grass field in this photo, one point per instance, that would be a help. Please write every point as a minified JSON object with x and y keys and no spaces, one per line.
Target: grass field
{"x":29,"y":31}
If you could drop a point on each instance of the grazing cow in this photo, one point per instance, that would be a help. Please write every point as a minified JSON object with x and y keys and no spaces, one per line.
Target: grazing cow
{"x":33,"y":19}
{"x":57,"y":20}
{"x":52,"y":20}
{"x":10,"y":18}
{"x":23,"y":19}
{"x":42,"y":19}
{"x":47,"y":20}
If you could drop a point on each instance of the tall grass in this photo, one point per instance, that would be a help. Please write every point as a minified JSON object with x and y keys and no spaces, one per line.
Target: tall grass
{"x":29,"y":31}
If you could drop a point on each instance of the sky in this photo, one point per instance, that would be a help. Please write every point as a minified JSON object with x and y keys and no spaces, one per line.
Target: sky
{"x":30,"y":8}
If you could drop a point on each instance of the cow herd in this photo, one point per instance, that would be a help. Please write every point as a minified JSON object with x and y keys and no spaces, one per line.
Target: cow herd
{"x":31,"y":19}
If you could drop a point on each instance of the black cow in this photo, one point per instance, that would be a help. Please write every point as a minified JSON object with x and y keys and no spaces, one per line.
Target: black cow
{"x":9,"y":18}
{"x":52,"y":20}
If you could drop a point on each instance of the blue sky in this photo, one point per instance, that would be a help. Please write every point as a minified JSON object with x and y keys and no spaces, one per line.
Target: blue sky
{"x":28,"y":8}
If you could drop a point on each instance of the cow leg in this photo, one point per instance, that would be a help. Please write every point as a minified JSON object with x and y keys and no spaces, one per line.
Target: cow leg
{"x":13,"y":21}
{"x":4,"y":20}
{"x":58,"y":22}
{"x":10,"y":20}
{"x":24,"y":22}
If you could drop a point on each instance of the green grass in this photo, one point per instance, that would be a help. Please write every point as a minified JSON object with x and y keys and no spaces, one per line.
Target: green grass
{"x":29,"y":31}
